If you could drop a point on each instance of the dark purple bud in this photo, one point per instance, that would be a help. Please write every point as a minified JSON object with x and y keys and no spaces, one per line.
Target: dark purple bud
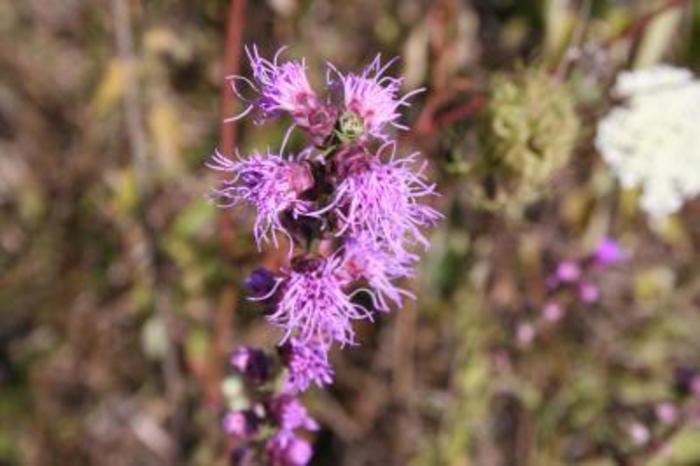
{"x":251,"y":363}
{"x":241,"y":456}
{"x":683,"y":379}
{"x":260,"y":282}
{"x":241,"y":424}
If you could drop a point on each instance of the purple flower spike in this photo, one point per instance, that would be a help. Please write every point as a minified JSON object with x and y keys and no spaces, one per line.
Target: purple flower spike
{"x":307,"y":363}
{"x":268,"y":182}
{"x":313,"y":304}
{"x":286,"y":449}
{"x":373,"y":97}
{"x":381,"y":201}
{"x":609,"y":252}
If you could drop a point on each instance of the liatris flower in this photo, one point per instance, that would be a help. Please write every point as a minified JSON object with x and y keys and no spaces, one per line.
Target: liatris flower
{"x":371,"y":99}
{"x":271,"y":183}
{"x":313,"y":304}
{"x":381,"y":200}
{"x":655,"y":151}
{"x":350,"y":216}
{"x":307,"y":363}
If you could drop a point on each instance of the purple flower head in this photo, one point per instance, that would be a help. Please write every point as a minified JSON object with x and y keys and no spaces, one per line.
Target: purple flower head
{"x":262,"y":284}
{"x":609,"y":252}
{"x":270,"y":183}
{"x":240,"y":424}
{"x":364,"y":259}
{"x":372,"y":96}
{"x":381,"y":201}
{"x":280,"y":87}
{"x":251,"y":363}
{"x":307,"y":363}
{"x":289,"y":414}
{"x":286,"y":449}
{"x":313,"y":304}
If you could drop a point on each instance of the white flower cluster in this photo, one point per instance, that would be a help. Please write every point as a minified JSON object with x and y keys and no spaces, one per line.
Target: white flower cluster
{"x":652,"y":142}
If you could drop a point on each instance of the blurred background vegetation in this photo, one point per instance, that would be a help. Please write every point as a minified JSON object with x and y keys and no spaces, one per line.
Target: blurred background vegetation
{"x":120,"y":285}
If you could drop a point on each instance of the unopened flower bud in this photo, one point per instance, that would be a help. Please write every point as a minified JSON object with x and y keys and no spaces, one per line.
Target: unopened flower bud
{"x":251,"y":363}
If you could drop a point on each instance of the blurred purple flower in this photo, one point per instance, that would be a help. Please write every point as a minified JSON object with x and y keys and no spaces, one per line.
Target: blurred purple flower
{"x":568,"y":272}
{"x":609,"y":252}
{"x":289,"y":414}
{"x":372,"y":96}
{"x":588,"y":292}
{"x":552,"y":312}
{"x":307,"y":363}
{"x":270,"y":183}
{"x":666,"y":412}
{"x":313,"y":304}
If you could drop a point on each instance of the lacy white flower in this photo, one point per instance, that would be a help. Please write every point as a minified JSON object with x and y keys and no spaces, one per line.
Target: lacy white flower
{"x":652,"y":141}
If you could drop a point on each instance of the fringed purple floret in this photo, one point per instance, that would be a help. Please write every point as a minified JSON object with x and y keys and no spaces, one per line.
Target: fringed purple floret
{"x":270,"y":183}
{"x":372,"y":96}
{"x":381,"y":200}
{"x":283,"y":88}
{"x":314,"y":305}
{"x":307,"y":363}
